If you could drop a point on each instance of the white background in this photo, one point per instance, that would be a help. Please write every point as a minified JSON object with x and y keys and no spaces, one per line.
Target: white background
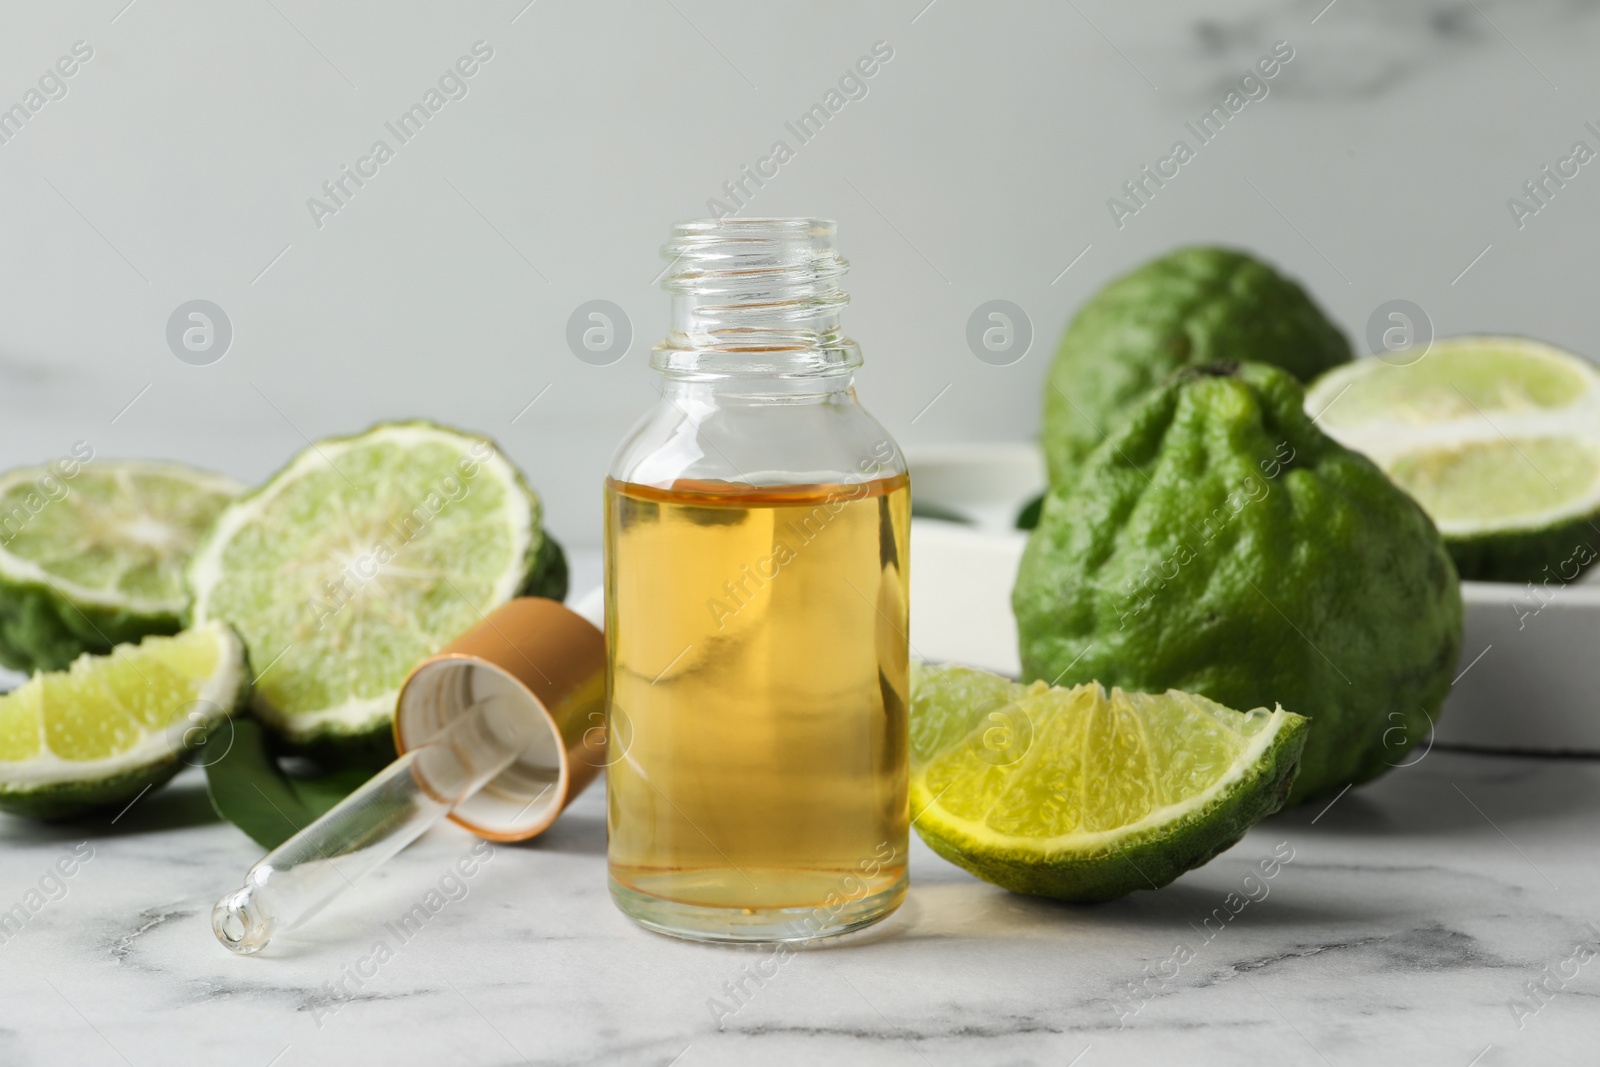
{"x":977,"y":167}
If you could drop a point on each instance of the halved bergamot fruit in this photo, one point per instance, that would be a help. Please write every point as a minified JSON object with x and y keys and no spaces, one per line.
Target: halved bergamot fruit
{"x":362,"y":556}
{"x":92,"y":553}
{"x":1498,"y":438}
{"x":1086,"y":796}
{"x":102,"y":731}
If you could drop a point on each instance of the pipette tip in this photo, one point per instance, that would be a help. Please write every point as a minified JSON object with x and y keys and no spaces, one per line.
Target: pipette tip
{"x":239,"y":924}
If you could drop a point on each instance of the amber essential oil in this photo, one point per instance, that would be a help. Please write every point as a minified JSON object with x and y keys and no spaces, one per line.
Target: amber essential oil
{"x":758,"y":705}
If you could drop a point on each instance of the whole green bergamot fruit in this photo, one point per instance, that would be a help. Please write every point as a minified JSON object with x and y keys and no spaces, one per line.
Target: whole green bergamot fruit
{"x":1219,"y":543}
{"x":1191,"y":306}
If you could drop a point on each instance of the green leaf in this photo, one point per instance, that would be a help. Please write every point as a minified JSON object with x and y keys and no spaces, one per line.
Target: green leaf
{"x":250,"y":789}
{"x":924,"y":510}
{"x":1028,"y":517}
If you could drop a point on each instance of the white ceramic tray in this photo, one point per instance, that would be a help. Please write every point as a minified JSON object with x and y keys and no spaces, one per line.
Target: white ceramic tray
{"x":1529,"y":676}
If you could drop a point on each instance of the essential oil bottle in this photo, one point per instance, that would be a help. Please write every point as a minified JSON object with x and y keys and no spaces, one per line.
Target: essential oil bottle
{"x":757,"y":528}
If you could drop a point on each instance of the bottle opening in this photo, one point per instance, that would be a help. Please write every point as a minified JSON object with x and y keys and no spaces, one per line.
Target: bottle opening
{"x":757,"y":296}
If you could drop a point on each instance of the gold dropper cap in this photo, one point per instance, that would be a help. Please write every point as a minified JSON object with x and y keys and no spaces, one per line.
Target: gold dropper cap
{"x":550,"y":663}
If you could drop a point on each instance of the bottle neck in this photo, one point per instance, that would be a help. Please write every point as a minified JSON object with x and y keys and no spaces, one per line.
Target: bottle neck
{"x":701,"y":392}
{"x":756,"y":300}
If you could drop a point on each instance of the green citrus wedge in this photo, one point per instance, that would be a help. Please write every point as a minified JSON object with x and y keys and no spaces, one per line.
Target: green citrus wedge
{"x":361,"y":557}
{"x":1087,"y":796}
{"x":1498,"y":438}
{"x":102,"y":731}
{"x":92,"y":553}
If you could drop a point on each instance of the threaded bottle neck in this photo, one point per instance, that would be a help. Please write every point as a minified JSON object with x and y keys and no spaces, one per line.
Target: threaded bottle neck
{"x":755,"y":298}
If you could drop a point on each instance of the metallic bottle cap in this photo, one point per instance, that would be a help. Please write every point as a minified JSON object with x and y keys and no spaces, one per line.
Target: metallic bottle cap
{"x":552,"y":662}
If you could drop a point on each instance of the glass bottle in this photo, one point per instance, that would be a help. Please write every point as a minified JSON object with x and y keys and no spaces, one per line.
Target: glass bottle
{"x":757,"y":529}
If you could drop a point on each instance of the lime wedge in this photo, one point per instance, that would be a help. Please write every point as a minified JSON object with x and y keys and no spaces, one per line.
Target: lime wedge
{"x":92,"y":554}
{"x":362,"y":556}
{"x":1084,"y":796}
{"x":108,"y":727}
{"x":1498,"y":438}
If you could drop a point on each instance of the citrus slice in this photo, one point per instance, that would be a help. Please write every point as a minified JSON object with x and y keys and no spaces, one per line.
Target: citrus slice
{"x":362,"y":556}
{"x":92,"y":553}
{"x":108,"y":727}
{"x":1498,"y":438}
{"x":1086,"y":796}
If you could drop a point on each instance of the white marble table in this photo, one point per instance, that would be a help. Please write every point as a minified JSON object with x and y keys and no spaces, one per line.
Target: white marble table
{"x":1400,"y":932}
